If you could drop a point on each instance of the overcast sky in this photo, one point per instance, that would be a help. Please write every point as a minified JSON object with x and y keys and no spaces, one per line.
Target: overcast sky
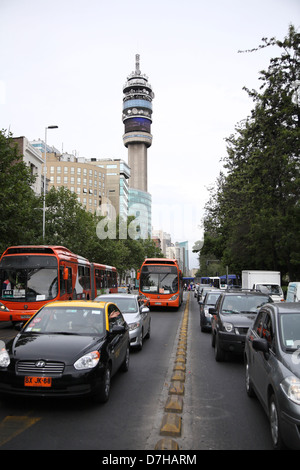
{"x":64,"y":63}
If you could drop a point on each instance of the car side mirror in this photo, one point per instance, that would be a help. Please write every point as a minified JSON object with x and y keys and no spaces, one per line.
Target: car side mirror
{"x":118,"y":329}
{"x":145,"y":310}
{"x":212,"y":310}
{"x":260,"y":344}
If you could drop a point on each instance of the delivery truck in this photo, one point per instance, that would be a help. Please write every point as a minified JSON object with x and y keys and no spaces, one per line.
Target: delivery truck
{"x":264,"y":281}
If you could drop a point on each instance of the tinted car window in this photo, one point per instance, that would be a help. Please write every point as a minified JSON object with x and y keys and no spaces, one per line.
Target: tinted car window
{"x":290,"y":330}
{"x":243,"y":303}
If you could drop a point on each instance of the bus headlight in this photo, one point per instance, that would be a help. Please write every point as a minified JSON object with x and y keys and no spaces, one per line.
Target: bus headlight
{"x":3,"y":308}
{"x":174,"y":297}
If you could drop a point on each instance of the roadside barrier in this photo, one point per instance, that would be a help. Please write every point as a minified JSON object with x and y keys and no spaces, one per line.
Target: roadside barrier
{"x":171,"y":426}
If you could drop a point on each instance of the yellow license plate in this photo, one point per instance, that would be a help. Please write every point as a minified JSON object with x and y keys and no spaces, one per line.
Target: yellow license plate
{"x":37,"y":381}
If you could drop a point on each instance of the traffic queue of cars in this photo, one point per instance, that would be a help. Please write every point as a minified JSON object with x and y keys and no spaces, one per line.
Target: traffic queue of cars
{"x":267,"y":335}
{"x":73,"y":348}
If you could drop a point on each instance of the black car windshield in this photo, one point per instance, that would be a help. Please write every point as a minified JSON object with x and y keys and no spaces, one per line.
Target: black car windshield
{"x":289,"y":329}
{"x":68,"y":320}
{"x":126,"y":305}
{"x":243,"y":303}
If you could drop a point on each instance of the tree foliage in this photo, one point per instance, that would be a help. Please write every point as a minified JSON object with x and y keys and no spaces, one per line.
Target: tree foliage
{"x":252,"y":220}
{"x":19,"y":208}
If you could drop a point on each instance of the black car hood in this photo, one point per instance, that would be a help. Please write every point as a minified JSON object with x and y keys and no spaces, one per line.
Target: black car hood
{"x":239,"y":319}
{"x":54,"y":347}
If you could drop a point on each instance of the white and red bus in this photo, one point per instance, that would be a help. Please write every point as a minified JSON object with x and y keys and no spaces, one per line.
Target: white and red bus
{"x":31,"y":276}
{"x":160,"y":281}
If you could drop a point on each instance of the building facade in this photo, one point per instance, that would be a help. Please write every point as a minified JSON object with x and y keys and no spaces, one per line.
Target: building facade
{"x":117,"y":178}
{"x":84,"y":179}
{"x":34,"y":160}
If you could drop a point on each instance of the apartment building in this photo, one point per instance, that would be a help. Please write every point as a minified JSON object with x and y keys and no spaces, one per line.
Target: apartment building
{"x":87,"y":181}
{"x":117,"y":178}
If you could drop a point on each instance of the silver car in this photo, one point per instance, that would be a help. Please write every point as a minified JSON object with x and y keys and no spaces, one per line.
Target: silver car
{"x":136,"y":315}
{"x":272,"y":360}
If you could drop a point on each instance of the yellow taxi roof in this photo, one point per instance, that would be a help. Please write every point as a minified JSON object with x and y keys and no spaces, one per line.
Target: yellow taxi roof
{"x":79,"y":303}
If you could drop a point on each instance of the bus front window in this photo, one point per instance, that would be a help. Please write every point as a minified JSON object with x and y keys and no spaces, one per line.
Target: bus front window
{"x":26,"y":282}
{"x":155,"y":283}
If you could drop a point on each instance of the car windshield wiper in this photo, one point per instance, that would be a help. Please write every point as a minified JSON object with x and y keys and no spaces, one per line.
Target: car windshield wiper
{"x":61,"y":333}
{"x":230,"y":311}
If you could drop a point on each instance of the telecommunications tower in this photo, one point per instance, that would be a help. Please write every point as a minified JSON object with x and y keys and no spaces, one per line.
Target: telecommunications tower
{"x":137,"y":119}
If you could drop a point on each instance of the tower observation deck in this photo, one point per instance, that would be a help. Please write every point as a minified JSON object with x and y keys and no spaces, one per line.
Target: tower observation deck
{"x":137,"y":119}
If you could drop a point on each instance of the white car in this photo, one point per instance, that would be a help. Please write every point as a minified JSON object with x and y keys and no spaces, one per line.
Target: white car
{"x":136,"y":315}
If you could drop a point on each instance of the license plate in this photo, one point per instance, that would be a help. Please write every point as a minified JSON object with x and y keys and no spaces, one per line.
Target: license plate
{"x":37,"y":381}
{"x":157,"y":303}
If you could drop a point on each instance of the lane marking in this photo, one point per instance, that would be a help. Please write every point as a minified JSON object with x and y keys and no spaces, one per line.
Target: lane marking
{"x":11,"y":426}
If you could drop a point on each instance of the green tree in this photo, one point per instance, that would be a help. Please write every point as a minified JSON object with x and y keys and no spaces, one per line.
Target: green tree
{"x":253,"y":218}
{"x":20,"y":209}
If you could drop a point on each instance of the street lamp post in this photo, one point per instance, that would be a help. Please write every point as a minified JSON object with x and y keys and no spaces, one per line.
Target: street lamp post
{"x":45,"y":178}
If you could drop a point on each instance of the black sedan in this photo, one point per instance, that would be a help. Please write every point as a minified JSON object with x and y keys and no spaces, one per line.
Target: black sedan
{"x":66,"y":349}
{"x":234,"y":313}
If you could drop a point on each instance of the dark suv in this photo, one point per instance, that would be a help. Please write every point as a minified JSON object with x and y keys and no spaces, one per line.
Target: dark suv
{"x":233,"y":314}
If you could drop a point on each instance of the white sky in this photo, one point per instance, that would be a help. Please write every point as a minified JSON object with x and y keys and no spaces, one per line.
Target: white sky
{"x":64,"y":62}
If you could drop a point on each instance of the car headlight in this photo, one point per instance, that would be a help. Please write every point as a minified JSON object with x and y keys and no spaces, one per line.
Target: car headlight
{"x":88,"y":361}
{"x":133,"y":326}
{"x":3,"y":308}
{"x":291,"y":387}
{"x":4,"y":358}
{"x":228,"y":327}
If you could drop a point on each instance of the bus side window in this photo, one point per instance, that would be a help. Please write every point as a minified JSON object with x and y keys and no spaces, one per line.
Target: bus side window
{"x":87,"y":277}
{"x":69,"y":281}
{"x":62,"y":283}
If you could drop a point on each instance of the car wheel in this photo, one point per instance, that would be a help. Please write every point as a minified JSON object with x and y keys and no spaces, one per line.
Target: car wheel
{"x":275,"y":425}
{"x":219,"y":353}
{"x":149,"y":331}
{"x":213,"y":339}
{"x":125,"y":364}
{"x":249,"y":387}
{"x":140,"y":345}
{"x":103,"y":394}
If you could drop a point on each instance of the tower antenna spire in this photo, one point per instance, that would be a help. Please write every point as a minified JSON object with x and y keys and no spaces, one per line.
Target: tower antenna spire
{"x":137,"y":64}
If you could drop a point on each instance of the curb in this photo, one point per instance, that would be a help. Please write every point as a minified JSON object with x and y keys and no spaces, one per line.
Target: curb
{"x":171,"y":425}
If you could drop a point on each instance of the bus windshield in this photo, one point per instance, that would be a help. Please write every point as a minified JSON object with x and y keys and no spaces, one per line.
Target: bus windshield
{"x":159,"y":280}
{"x":28,"y":278}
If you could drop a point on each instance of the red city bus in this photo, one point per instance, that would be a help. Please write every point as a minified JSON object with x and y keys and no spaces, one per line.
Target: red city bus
{"x":31,"y":276}
{"x":161,"y":282}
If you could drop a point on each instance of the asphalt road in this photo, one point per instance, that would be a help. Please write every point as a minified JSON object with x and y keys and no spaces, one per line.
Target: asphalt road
{"x":217,"y":413}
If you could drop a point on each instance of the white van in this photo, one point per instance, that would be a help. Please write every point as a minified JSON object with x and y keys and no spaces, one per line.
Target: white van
{"x":293,"y":292}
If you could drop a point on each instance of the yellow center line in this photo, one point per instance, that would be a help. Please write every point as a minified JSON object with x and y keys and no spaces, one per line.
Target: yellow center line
{"x":11,"y":426}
